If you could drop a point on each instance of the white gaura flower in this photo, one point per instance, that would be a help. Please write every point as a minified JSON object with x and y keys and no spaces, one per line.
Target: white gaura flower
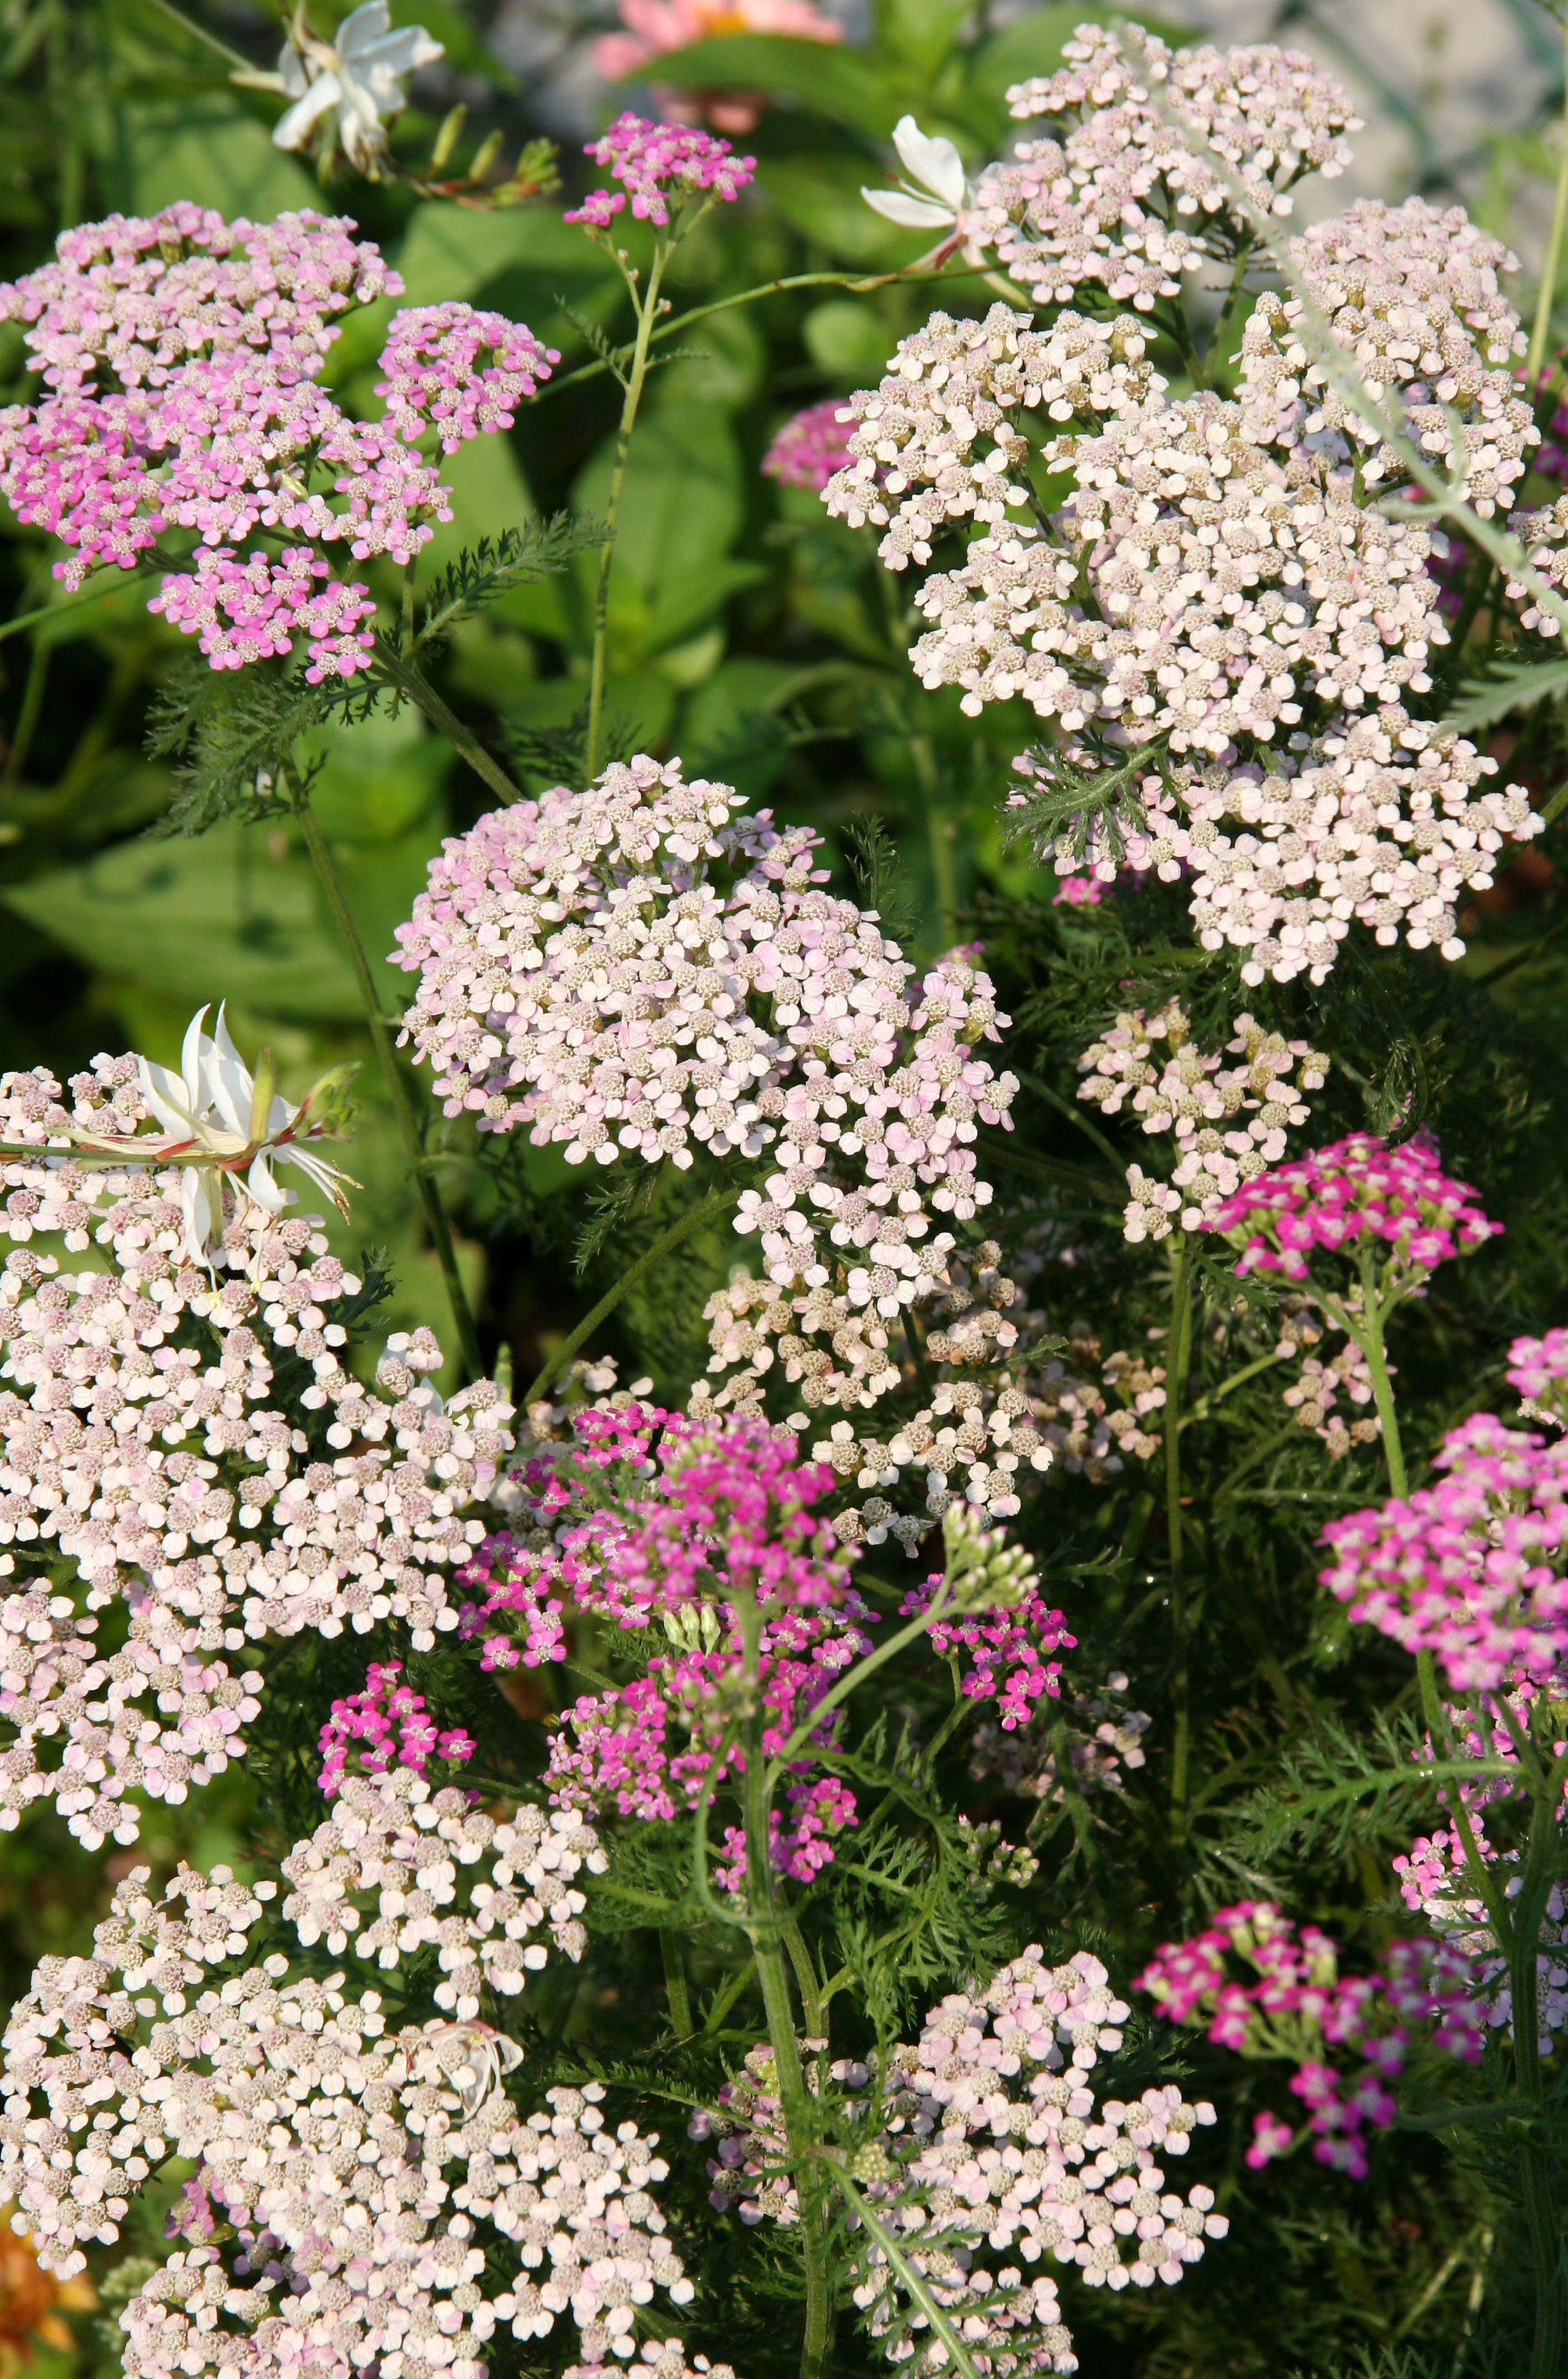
{"x":932,"y":162}
{"x":358,"y":73}
{"x":220,"y":1119}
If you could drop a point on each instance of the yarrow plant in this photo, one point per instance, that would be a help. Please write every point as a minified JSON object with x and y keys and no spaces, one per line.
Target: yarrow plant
{"x":623,"y":1821}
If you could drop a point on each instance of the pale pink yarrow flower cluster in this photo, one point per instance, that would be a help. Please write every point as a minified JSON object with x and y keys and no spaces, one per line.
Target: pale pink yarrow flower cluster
{"x":1119,"y":203}
{"x":645,"y":965}
{"x":183,"y":357}
{"x":991,"y":2150}
{"x":384,"y":1726}
{"x":1471,"y":1569}
{"x":651,"y":1521}
{"x":1356,"y":1193}
{"x":659,"y":165}
{"x":811,"y":446}
{"x":1299,"y":2005}
{"x":1006,"y":1651}
{"x":1228,"y":1121}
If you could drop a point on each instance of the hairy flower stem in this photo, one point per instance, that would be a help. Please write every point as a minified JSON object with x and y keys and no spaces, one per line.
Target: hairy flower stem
{"x":765,"y":1931}
{"x":1542,"y":1862}
{"x":675,"y":1982}
{"x":637,"y":372}
{"x":1177,"y":1354}
{"x":402,"y":1098}
{"x":694,"y":1217}
{"x":1540,"y":330}
{"x":919,"y":2292}
{"x":411,"y":680}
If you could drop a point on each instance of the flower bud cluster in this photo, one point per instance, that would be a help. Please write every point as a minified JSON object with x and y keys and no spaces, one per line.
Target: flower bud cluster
{"x":181,"y":356}
{"x":1301,"y":2006}
{"x":1151,"y":1065}
{"x":1120,"y":201}
{"x":645,"y":965}
{"x":953,"y":385}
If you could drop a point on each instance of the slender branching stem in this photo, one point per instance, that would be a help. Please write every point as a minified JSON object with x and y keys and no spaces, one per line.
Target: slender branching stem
{"x":679,"y":1996}
{"x":914,"y":2281}
{"x":411,"y":680}
{"x":705,"y":1210}
{"x":637,"y":372}
{"x":402,"y":1097}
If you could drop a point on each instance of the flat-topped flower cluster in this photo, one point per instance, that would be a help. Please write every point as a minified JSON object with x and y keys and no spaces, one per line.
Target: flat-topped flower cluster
{"x":598,"y":966}
{"x":182,"y":357}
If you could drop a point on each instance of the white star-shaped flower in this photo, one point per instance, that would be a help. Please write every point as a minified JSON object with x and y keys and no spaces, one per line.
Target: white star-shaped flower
{"x":359,"y":74}
{"x":936,"y":167}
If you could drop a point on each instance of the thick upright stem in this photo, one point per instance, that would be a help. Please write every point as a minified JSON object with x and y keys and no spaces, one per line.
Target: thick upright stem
{"x":1542,"y":329}
{"x":1541,"y":1861}
{"x":647,"y":315}
{"x":765,"y":1934}
{"x":720,"y":1203}
{"x":1177,"y":1346}
{"x":397,"y":1088}
{"x":1370,"y":1339}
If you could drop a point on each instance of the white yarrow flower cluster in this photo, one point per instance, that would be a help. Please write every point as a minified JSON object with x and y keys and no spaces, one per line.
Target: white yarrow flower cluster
{"x":599,"y":967}
{"x":1228,"y":1122}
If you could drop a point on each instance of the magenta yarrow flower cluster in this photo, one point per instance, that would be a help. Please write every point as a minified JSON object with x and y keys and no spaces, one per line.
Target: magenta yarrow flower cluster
{"x":1472,"y":1568}
{"x":647,"y":964}
{"x":649,"y":1521}
{"x":1355,"y":1194}
{"x":1007,"y":1651}
{"x":182,"y":355}
{"x":811,"y":446}
{"x":1300,"y":2005}
{"x":384,"y":1726}
{"x":658,"y":164}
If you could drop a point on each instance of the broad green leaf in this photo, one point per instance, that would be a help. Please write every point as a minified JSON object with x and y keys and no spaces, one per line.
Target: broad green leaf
{"x":918,"y":33}
{"x":848,"y":338}
{"x":681,"y":511}
{"x":1516,"y":686}
{"x":832,"y":81}
{"x":821,"y":199}
{"x":515,"y":253}
{"x":237,"y":913}
{"x":211,"y":151}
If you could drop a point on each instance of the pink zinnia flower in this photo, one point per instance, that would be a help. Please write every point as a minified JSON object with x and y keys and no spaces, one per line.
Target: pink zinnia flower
{"x":655,"y":29}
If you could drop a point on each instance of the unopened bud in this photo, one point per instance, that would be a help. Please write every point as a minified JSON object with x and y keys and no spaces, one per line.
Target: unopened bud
{"x":446,"y":138}
{"x":984,"y":1573}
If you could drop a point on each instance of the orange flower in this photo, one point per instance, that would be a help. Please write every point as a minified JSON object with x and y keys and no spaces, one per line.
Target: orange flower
{"x":30,"y":2300}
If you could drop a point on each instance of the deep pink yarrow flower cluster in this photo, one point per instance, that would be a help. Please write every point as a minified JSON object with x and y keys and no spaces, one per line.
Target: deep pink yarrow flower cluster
{"x":809,"y":448}
{"x":386,"y":1726}
{"x":182,"y":357}
{"x":1299,"y":2005}
{"x":656,"y":163}
{"x":1007,"y":1650}
{"x":1355,"y":1190}
{"x":663,"y":1526}
{"x":1471,"y":1568}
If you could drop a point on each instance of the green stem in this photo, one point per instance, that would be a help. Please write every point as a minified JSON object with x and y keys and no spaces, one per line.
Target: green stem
{"x":1542,"y":329}
{"x":110,"y":584}
{"x":647,"y":315}
{"x":912,"y":2280}
{"x":28,"y":714}
{"x":806,"y":1977}
{"x":1206,"y":1404}
{"x":200,"y":34}
{"x":675,"y":1983}
{"x":402,"y":1097}
{"x":693,"y":1220}
{"x":1243,"y":255}
{"x":1541,"y":1864}
{"x":412,"y":681}
{"x":1176,"y":1358}
{"x":763,"y":1931}
{"x":1370,"y":1339}
{"x":852,"y":1678}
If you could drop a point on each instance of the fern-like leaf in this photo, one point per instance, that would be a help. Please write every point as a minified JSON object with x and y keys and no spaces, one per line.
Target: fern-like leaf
{"x":518,"y":556}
